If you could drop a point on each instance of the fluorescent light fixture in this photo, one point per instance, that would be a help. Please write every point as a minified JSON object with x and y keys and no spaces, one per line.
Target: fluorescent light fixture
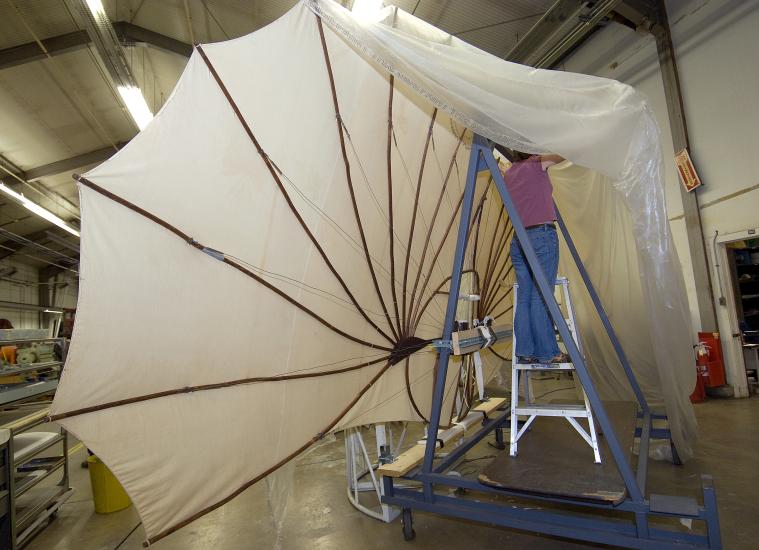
{"x":135,"y":102}
{"x":366,"y":9}
{"x":37,"y":209}
{"x":96,"y":7}
{"x":53,"y":311}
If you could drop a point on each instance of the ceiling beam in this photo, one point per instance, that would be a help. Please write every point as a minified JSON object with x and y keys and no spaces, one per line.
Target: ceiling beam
{"x":71,"y":163}
{"x":129,"y":35}
{"x":31,"y":51}
{"x":6,"y":305}
{"x":544,"y":29}
{"x":65,"y":165}
{"x":16,"y":246}
{"x":62,"y":241}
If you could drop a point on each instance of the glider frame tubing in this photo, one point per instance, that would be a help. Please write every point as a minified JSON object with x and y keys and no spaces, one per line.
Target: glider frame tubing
{"x":634,"y":511}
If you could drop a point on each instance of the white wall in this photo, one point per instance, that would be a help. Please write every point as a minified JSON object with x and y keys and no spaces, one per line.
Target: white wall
{"x":717,"y":50}
{"x":23,"y":287}
{"x":22,"y":293}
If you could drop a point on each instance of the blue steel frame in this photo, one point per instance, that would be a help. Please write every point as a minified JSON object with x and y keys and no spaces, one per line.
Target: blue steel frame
{"x":621,"y":532}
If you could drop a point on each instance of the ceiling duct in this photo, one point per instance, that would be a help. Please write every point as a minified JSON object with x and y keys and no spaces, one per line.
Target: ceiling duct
{"x":566,"y":24}
{"x":93,"y":18}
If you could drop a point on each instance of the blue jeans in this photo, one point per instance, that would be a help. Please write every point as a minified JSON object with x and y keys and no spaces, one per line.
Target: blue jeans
{"x":533,"y":327}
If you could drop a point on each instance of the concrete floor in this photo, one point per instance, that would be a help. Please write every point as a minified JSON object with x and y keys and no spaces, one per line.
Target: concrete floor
{"x":321,"y":518}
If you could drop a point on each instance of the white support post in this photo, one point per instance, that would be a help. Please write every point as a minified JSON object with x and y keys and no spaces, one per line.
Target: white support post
{"x":359,"y":465}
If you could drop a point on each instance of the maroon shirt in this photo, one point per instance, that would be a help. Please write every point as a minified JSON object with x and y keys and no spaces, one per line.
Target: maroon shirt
{"x":531,"y":190}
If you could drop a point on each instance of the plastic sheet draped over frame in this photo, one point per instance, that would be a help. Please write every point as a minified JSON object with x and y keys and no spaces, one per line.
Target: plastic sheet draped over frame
{"x":594,"y":122}
{"x":198,"y":321}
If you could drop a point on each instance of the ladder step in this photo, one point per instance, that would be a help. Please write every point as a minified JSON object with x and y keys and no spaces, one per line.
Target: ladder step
{"x":552,"y":410}
{"x":541,"y":366}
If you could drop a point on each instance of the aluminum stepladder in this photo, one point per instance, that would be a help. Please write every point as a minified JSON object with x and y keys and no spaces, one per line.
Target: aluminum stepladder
{"x":571,"y":412}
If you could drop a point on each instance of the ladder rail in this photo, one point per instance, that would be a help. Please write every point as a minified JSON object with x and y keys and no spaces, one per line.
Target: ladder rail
{"x":533,"y":410}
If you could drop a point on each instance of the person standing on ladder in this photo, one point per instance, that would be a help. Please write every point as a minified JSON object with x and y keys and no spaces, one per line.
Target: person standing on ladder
{"x":530,"y":188}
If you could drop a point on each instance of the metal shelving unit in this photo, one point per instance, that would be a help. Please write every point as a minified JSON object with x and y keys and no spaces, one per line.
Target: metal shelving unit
{"x":30,"y":505}
{"x":5,"y":507}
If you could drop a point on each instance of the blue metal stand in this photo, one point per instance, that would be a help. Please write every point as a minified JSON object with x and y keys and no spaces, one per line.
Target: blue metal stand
{"x":432,"y":473}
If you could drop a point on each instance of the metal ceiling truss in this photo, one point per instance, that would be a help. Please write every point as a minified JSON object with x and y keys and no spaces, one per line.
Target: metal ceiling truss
{"x":103,"y":36}
{"x":128,"y":34}
{"x":64,"y":165}
{"x":564,"y":26}
{"x":14,"y":243}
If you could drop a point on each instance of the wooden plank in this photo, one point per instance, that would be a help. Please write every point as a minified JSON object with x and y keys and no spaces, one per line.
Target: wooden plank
{"x":490,"y":405}
{"x":408,"y":460}
{"x":554,"y":460}
{"x":404,"y":463}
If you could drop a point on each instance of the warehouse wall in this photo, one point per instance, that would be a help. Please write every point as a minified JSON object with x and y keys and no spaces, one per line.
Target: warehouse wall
{"x":717,"y":49}
{"x":24,"y":287}
{"x":16,"y":289}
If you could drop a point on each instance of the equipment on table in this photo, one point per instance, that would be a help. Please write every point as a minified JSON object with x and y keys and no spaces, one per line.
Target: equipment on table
{"x":29,"y":361}
{"x":37,"y":352}
{"x":533,"y":410}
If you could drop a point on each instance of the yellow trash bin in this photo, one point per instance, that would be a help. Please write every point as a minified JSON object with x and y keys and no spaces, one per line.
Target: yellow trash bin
{"x":107,"y":492}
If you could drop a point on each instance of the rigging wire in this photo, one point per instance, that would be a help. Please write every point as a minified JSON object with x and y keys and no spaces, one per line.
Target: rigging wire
{"x":219,"y":256}
{"x":280,"y":185}
{"x":440,"y":171}
{"x":349,"y":178}
{"x":374,"y":197}
{"x":316,"y":291}
{"x":342,"y":232}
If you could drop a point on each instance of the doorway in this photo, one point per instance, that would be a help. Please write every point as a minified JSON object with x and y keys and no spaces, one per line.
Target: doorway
{"x":738,"y":267}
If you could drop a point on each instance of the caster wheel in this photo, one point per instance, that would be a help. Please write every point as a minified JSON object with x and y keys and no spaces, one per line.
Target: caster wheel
{"x":408,"y":525}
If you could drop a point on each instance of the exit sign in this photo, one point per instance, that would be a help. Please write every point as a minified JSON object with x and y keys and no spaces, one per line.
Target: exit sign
{"x":687,"y":171}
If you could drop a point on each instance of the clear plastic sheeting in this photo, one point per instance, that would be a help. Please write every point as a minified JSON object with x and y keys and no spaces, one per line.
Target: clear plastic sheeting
{"x":277,"y":245}
{"x":593,"y":122}
{"x":650,"y":317}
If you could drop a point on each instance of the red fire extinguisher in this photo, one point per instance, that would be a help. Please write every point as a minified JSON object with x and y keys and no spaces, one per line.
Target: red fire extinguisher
{"x":702,"y":372}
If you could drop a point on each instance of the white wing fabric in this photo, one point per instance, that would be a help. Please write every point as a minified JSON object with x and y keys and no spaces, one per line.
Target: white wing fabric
{"x":266,"y":261}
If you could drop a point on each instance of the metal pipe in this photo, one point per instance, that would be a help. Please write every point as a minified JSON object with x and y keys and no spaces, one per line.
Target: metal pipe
{"x":603,"y":531}
{"x":576,"y":34}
